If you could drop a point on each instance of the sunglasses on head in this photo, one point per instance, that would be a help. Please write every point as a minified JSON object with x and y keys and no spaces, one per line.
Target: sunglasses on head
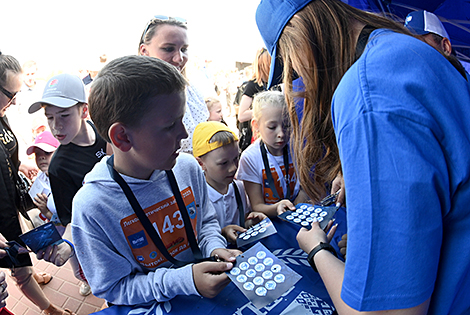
{"x":160,"y":18}
{"x":8,"y":94}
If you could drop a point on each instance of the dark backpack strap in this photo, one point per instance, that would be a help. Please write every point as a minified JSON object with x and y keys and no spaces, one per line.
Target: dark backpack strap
{"x":241,"y":209}
{"x":267,"y":169}
{"x":285,"y":153}
{"x":362,"y":40}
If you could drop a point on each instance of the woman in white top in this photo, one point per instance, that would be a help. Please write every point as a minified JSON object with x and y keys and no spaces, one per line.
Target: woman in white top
{"x":166,"y":38}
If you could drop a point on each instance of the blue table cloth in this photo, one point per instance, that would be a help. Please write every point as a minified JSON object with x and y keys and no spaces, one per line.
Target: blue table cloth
{"x":308,"y":296}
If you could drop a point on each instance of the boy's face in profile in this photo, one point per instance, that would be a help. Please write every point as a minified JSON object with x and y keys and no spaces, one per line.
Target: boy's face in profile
{"x":156,"y":140}
{"x":65,"y":123}
{"x":215,"y":114}
{"x":220,"y":165}
{"x":43,"y":159}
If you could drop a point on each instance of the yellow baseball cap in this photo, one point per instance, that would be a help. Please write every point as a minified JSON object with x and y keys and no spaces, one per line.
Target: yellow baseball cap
{"x":204,"y":133}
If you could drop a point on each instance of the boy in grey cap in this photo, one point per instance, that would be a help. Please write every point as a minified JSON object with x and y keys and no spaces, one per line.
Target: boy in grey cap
{"x":81,"y":147}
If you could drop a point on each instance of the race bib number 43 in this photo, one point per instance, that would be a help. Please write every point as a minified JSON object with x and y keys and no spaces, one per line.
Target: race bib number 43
{"x":167,"y":220}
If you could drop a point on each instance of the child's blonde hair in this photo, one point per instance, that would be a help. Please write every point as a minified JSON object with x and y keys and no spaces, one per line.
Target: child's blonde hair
{"x":265,"y":99}
{"x":210,"y":102}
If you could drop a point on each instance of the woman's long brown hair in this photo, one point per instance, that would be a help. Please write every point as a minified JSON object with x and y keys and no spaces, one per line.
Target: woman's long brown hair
{"x":318,"y":43}
{"x":261,"y":67}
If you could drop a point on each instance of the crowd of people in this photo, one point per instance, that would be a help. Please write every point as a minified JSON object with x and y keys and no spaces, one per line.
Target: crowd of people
{"x":135,"y":161}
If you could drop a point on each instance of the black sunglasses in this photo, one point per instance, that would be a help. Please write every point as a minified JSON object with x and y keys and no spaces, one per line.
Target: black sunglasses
{"x":159,"y":18}
{"x":8,"y":94}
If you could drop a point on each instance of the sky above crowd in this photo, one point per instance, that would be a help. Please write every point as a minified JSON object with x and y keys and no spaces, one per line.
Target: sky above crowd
{"x":69,"y":34}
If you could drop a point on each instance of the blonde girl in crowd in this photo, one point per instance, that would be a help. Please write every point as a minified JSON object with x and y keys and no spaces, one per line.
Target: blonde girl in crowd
{"x":266,"y":166}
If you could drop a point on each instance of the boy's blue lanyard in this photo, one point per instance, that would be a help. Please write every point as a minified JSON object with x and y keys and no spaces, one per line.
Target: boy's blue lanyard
{"x":267,"y":169}
{"x":148,"y":225}
{"x":238,"y":198}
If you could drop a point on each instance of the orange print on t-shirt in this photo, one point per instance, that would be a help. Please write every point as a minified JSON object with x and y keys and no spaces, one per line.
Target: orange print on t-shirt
{"x":267,"y":191}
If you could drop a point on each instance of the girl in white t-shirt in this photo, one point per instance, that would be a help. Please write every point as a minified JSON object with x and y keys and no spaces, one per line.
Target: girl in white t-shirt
{"x":273,"y":191}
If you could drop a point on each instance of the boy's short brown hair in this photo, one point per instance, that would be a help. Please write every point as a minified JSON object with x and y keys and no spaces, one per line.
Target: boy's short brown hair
{"x":121,"y":91}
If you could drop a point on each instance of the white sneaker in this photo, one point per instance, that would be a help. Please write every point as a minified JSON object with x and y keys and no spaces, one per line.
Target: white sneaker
{"x":84,"y":289}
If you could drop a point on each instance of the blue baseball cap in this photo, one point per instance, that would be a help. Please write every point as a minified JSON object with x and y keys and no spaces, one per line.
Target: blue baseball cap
{"x":423,"y":22}
{"x":271,"y":18}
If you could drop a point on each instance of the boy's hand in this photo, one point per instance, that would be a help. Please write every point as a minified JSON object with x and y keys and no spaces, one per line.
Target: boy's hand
{"x":230,"y":232}
{"x":41,"y":202}
{"x":228,"y":255}
{"x":56,"y":254}
{"x":284,"y":205}
{"x":254,"y":218}
{"x":210,"y":278}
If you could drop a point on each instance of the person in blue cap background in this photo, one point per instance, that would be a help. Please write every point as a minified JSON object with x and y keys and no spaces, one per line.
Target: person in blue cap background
{"x":428,"y":28}
{"x":395,"y":113}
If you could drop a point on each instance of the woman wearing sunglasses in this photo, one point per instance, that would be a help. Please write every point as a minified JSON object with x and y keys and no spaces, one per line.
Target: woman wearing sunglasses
{"x":18,"y":261}
{"x":166,"y":38}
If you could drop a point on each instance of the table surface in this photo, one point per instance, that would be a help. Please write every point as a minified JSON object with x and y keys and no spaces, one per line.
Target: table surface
{"x":308,"y":296}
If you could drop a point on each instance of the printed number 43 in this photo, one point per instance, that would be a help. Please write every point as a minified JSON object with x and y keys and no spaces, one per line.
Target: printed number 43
{"x":168,"y":226}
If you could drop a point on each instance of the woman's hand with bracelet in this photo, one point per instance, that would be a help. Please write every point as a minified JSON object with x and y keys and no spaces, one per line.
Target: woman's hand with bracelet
{"x":57,"y":254}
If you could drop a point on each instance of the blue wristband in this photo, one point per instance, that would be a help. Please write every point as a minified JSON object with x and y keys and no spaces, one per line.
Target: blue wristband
{"x":71,"y":245}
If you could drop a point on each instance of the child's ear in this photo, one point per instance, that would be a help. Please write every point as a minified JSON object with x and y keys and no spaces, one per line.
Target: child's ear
{"x":84,"y":113}
{"x":118,"y":134}
{"x":254,"y":124}
{"x":201,"y":163}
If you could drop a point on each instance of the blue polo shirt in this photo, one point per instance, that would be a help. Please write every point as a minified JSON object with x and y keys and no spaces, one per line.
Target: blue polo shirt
{"x":401,"y":115}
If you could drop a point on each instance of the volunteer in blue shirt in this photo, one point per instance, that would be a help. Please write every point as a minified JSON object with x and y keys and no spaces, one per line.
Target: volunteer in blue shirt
{"x":396,"y":113}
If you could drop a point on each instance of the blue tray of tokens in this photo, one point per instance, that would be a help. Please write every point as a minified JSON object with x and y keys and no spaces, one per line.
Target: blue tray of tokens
{"x":306,"y":213}
{"x":261,"y":276}
{"x":256,"y":232}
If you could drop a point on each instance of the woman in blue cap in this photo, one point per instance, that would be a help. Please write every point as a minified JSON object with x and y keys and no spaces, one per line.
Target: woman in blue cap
{"x":395,"y":113}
